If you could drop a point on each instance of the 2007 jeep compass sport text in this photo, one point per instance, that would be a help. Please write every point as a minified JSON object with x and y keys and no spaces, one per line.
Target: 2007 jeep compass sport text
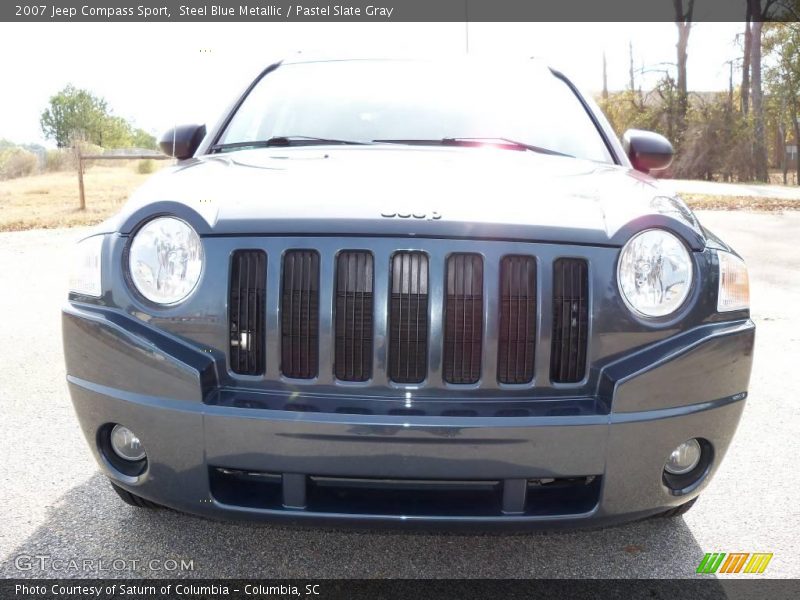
{"x":414,"y":293}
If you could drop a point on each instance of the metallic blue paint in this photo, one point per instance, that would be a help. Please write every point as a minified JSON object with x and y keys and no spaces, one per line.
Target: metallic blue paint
{"x":650,"y":383}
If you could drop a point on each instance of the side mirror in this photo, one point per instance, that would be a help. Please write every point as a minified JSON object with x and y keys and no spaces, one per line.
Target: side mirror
{"x":648,"y":151}
{"x":182,"y":141}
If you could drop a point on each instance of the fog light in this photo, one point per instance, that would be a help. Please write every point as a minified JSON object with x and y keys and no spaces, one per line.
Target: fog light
{"x":126,"y":445}
{"x":684,"y":458}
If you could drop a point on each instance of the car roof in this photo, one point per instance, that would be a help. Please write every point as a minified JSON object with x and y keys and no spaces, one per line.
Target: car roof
{"x":301,"y":57}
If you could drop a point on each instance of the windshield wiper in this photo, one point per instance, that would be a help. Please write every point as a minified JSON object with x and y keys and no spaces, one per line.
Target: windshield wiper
{"x":283,"y":141}
{"x":477,"y":142}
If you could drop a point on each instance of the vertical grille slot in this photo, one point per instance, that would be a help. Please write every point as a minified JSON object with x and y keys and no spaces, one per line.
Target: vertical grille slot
{"x":247,"y":311}
{"x":570,"y":320}
{"x":300,"y":314}
{"x":354,"y":281}
{"x":517,"y":327}
{"x":408,"y":318}
{"x":463,"y":325}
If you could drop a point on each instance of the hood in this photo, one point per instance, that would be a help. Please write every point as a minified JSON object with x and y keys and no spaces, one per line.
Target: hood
{"x":410,"y":191}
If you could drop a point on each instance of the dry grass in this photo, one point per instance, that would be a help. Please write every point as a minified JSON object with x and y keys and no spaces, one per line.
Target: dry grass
{"x":776,"y":177}
{"x":713,"y":202}
{"x":51,"y":200}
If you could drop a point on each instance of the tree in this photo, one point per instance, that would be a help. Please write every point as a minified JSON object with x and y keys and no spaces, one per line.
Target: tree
{"x":782,"y":43}
{"x":745,"y":94}
{"x":78,"y":115}
{"x":717,"y":144}
{"x":683,"y":20}
{"x":757,"y":12}
{"x":142,"y":139}
{"x":74,"y":114}
{"x":115,"y":132}
{"x":632,"y":81}
{"x":760,"y":147}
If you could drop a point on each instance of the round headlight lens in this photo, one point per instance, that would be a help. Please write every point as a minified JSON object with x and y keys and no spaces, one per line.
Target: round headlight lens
{"x":654,"y":273}
{"x":165,"y":260}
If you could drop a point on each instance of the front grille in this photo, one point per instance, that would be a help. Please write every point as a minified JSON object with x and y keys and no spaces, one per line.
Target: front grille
{"x":438,"y":315}
{"x":354,"y":282}
{"x":300,"y":314}
{"x":247,"y":293}
{"x":570,"y":320}
{"x":408,"y":318}
{"x":517,"y":332}
{"x":463,"y":324}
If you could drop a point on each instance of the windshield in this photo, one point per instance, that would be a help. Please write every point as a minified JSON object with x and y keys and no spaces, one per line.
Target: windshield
{"x":367,"y":100}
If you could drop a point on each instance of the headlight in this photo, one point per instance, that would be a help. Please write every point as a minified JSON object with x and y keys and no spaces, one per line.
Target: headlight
{"x":165,"y":260}
{"x":734,"y":284}
{"x":654,"y":273}
{"x":85,"y":277}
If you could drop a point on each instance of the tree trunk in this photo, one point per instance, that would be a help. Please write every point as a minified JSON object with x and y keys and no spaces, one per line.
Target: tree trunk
{"x":683,"y":92}
{"x":796,"y":124}
{"x":631,"y":81}
{"x":683,"y":20}
{"x":746,"y":64}
{"x":730,"y":89}
{"x":760,"y":146}
{"x":780,"y":149}
{"x":683,"y":42}
{"x":605,"y":78}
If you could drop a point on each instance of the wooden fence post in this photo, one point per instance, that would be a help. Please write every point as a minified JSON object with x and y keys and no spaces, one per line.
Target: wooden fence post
{"x":82,"y":158}
{"x":80,"y":178}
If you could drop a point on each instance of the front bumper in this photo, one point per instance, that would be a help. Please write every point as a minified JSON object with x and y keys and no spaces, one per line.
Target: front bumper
{"x":222,"y":461}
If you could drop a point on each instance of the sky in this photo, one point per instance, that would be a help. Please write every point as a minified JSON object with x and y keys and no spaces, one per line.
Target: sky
{"x":160,"y":74}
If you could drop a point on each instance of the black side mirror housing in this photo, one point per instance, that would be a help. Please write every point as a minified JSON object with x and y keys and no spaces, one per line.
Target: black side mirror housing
{"x":648,"y":151}
{"x":182,"y":141}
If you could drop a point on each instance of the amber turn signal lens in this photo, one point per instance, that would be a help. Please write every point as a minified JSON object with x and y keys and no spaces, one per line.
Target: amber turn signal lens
{"x":734,"y":283}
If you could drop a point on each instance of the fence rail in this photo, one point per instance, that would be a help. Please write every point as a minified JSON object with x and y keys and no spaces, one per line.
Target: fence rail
{"x":84,"y":157}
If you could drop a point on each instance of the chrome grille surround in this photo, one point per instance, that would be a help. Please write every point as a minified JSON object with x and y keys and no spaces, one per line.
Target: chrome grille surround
{"x":438,"y":252}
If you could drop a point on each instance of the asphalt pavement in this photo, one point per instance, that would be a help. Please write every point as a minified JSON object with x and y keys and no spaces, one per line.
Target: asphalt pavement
{"x":57,"y":505}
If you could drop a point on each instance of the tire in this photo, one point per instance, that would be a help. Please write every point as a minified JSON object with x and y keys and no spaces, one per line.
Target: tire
{"x":678,"y":510}
{"x":133,"y":499}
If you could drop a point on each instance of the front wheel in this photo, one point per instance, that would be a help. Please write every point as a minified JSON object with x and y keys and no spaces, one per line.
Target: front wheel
{"x":678,"y":510}
{"x":133,"y":499}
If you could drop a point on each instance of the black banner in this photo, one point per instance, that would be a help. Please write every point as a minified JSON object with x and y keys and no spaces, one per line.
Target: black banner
{"x":373,"y":589}
{"x":384,"y":10}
